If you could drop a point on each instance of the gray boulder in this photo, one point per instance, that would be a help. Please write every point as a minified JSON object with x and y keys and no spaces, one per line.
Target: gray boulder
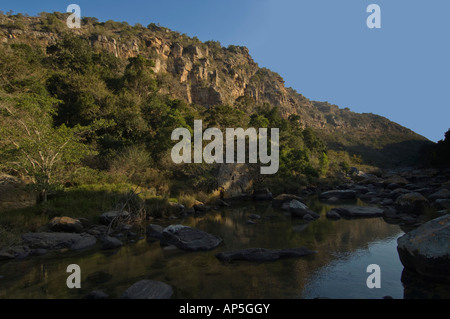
{"x":148,"y":289}
{"x":357,"y":211}
{"x":280,"y":199}
{"x":298,"y":209}
{"x":6,"y":255}
{"x":260,"y":254}
{"x":425,"y":249}
{"x":59,"y":240}
{"x":442,"y":203}
{"x":411,"y":203}
{"x":96,"y":294}
{"x":108,"y":217}
{"x":262,"y":194}
{"x":340,"y":194}
{"x":154,"y":231}
{"x":333,"y":215}
{"x":188,"y":238}
{"x":440,"y":194}
{"x":111,"y":243}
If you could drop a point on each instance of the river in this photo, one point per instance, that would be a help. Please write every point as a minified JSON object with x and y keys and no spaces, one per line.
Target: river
{"x":345,"y":248}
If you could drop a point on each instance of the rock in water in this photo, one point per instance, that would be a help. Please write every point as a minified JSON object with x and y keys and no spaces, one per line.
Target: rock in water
{"x":107,"y":218}
{"x":260,"y":254}
{"x":426,"y":249}
{"x":280,"y":199}
{"x":96,"y":294}
{"x":340,"y":194}
{"x":333,"y":215}
{"x":148,"y":289}
{"x":111,"y":243}
{"x":188,"y":238}
{"x":411,"y":203}
{"x":262,"y":194}
{"x":154,"y":231}
{"x":356,"y":212}
{"x":59,"y":240}
{"x":441,"y":194}
{"x":298,"y":209}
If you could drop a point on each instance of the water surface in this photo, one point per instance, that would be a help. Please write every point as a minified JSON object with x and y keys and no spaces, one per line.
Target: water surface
{"x":345,"y":249}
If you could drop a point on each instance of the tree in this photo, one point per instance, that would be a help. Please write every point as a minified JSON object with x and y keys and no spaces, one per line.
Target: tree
{"x":30,"y":145}
{"x":324,"y":164}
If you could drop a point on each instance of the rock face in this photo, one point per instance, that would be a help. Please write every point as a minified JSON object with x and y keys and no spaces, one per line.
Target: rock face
{"x":339,"y":194}
{"x":357,"y":212}
{"x":148,"y":289}
{"x":188,"y":238}
{"x":234,"y":180}
{"x":426,"y":249}
{"x":65,"y":224}
{"x":260,"y":254}
{"x":59,"y":240}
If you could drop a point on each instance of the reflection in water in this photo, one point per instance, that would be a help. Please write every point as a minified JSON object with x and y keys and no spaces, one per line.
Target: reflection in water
{"x":345,"y":248}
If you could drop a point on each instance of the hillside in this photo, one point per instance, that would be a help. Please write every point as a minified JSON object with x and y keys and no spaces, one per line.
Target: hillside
{"x":208,"y":74}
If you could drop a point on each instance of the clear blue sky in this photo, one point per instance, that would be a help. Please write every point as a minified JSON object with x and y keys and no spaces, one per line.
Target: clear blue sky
{"x":322,"y":48}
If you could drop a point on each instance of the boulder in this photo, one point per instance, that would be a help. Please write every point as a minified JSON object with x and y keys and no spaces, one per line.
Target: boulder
{"x":425,"y":249}
{"x":59,"y":240}
{"x":111,"y":243}
{"x":221,"y":203}
{"x":262,"y":194}
{"x":108,"y":217}
{"x":6,"y":255}
{"x":65,"y":225}
{"x":154,"y":231}
{"x":85,"y":242}
{"x":442,"y":203}
{"x":96,"y":294}
{"x":333,"y":215}
{"x":340,"y":194}
{"x":443,"y":193}
{"x":280,"y":199}
{"x":148,"y":289}
{"x":261,"y":254}
{"x":397,"y":180}
{"x":199,"y":206}
{"x":357,"y":211}
{"x":298,"y":209}
{"x":411,"y":203}
{"x":188,"y":238}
